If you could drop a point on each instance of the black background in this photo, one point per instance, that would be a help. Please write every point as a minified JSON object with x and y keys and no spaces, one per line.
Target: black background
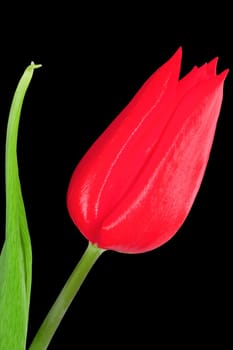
{"x":94,"y":60}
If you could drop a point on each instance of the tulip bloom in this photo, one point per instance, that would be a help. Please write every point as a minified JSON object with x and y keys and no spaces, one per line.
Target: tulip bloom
{"x":135,"y":186}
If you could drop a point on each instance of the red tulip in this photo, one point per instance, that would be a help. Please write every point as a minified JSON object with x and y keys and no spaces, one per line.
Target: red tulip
{"x":135,"y":186}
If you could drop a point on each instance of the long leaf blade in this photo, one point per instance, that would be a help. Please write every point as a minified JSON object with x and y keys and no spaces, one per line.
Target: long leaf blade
{"x":16,"y":256}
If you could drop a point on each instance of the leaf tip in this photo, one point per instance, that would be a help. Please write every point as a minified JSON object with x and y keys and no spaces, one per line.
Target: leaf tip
{"x":33,"y":66}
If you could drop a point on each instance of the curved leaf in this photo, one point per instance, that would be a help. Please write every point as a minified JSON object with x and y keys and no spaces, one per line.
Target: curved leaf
{"x":16,"y":255}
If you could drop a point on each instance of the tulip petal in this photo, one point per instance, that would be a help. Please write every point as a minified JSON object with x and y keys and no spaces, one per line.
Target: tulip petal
{"x":109,"y":167}
{"x":158,"y":203}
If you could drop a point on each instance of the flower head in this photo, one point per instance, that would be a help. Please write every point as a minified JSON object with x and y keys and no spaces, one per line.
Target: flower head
{"x":135,"y":186}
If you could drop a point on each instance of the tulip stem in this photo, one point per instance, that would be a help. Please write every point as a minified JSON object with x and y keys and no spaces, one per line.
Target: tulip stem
{"x":64,"y":299}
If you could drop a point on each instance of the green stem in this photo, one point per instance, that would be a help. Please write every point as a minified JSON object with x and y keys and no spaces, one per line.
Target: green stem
{"x":64,"y":299}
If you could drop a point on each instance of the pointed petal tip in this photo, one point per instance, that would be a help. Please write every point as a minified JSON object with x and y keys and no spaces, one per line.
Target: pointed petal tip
{"x":178,"y":53}
{"x":223,"y":75}
{"x":212,"y":65}
{"x":175,"y":59}
{"x":180,"y":48}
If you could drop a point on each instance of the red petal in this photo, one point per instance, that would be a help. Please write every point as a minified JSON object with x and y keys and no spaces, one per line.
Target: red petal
{"x":158,"y":203}
{"x":112,"y":163}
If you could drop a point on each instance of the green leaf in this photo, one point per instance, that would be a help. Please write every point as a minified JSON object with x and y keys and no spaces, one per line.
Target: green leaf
{"x":16,"y":255}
